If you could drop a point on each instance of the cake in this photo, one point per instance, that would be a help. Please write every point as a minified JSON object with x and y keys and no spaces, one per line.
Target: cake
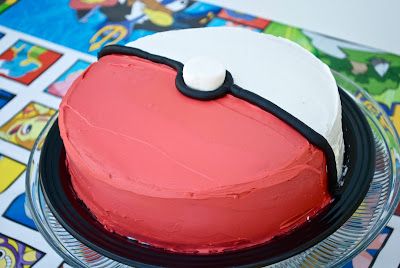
{"x":204,"y":140}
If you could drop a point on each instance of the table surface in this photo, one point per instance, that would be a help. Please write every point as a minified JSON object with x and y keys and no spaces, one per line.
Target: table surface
{"x":368,"y":22}
{"x":45,"y":44}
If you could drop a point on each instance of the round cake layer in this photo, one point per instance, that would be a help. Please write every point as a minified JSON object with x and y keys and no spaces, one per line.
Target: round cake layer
{"x":184,"y":174}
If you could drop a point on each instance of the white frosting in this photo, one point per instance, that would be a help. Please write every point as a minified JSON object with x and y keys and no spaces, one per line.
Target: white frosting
{"x":203,"y":73}
{"x":272,"y":67}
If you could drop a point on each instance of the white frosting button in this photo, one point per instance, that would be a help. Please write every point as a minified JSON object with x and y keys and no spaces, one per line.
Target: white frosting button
{"x":204,"y":73}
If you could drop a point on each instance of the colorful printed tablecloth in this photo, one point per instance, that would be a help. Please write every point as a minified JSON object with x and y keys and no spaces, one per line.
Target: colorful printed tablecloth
{"x":46,"y":44}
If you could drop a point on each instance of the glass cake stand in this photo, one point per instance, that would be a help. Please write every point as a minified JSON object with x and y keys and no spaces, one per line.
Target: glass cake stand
{"x":338,"y":248}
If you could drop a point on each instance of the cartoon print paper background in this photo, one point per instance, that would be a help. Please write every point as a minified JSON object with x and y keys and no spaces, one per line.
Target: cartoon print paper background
{"x":23,"y":61}
{"x":45,"y":44}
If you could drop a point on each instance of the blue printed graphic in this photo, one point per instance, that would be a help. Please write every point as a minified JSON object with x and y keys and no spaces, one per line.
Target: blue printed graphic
{"x":5,"y":97}
{"x":16,"y":212}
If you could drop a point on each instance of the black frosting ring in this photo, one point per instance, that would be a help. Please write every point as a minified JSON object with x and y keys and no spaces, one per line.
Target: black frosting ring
{"x":204,"y":95}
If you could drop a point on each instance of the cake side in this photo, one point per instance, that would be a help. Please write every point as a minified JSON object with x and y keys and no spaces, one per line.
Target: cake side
{"x":206,"y":225}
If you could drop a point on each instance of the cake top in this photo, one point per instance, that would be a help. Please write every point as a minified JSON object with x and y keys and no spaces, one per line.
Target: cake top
{"x":274,"y":68}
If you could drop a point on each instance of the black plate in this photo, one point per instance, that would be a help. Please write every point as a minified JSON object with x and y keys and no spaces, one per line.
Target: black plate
{"x":76,"y":219}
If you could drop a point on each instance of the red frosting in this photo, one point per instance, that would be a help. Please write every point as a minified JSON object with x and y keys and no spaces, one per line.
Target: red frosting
{"x":183,"y":174}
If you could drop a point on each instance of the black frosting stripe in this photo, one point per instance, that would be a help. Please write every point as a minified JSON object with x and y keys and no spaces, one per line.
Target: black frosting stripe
{"x":229,"y":87}
{"x":312,"y":136}
{"x":123,"y":50}
{"x":178,"y":66}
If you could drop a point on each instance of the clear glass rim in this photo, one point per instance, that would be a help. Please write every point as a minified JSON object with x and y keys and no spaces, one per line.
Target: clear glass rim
{"x":37,"y":214}
{"x":393,"y":201}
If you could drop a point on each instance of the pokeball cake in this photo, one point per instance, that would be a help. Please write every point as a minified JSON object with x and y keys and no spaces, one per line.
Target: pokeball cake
{"x":204,"y":140}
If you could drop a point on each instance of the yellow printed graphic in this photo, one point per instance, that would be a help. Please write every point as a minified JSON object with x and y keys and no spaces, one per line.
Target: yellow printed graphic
{"x":25,"y":127}
{"x":159,"y":17}
{"x":14,"y":253}
{"x":10,"y":170}
{"x":109,"y":34}
{"x":396,"y":117}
